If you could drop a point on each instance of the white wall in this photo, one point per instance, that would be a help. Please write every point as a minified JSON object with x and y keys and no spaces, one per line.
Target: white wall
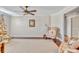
{"x":20,"y":26}
{"x":55,"y":20}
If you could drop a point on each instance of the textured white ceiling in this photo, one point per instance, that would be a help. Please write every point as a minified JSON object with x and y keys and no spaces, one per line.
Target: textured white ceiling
{"x":41,"y":10}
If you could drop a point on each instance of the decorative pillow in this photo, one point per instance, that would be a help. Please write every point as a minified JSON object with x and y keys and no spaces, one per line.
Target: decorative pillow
{"x":51,"y":33}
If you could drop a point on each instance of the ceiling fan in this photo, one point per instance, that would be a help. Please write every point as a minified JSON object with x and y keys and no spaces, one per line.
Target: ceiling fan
{"x":26,"y":11}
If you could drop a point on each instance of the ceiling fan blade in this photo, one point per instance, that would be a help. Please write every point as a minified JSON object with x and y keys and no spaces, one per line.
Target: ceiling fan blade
{"x":33,"y":11}
{"x":26,"y":10}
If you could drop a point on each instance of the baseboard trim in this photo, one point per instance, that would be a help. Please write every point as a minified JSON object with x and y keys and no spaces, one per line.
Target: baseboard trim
{"x":57,"y":41}
{"x":27,"y":37}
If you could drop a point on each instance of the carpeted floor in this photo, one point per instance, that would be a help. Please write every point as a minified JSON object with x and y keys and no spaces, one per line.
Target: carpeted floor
{"x":31,"y":46}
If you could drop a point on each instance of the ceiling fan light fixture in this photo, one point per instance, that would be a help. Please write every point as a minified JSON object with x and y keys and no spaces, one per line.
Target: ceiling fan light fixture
{"x":26,"y":11}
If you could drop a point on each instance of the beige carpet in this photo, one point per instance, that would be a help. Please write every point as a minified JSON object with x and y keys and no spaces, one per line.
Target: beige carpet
{"x":31,"y":45}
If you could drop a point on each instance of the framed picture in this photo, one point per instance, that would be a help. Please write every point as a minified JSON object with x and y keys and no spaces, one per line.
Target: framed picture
{"x":32,"y":23}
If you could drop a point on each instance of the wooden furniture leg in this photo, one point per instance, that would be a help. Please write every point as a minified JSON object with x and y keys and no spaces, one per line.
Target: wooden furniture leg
{"x":2,"y":48}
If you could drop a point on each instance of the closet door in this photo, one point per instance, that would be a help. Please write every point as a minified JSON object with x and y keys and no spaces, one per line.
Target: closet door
{"x":75,"y":26}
